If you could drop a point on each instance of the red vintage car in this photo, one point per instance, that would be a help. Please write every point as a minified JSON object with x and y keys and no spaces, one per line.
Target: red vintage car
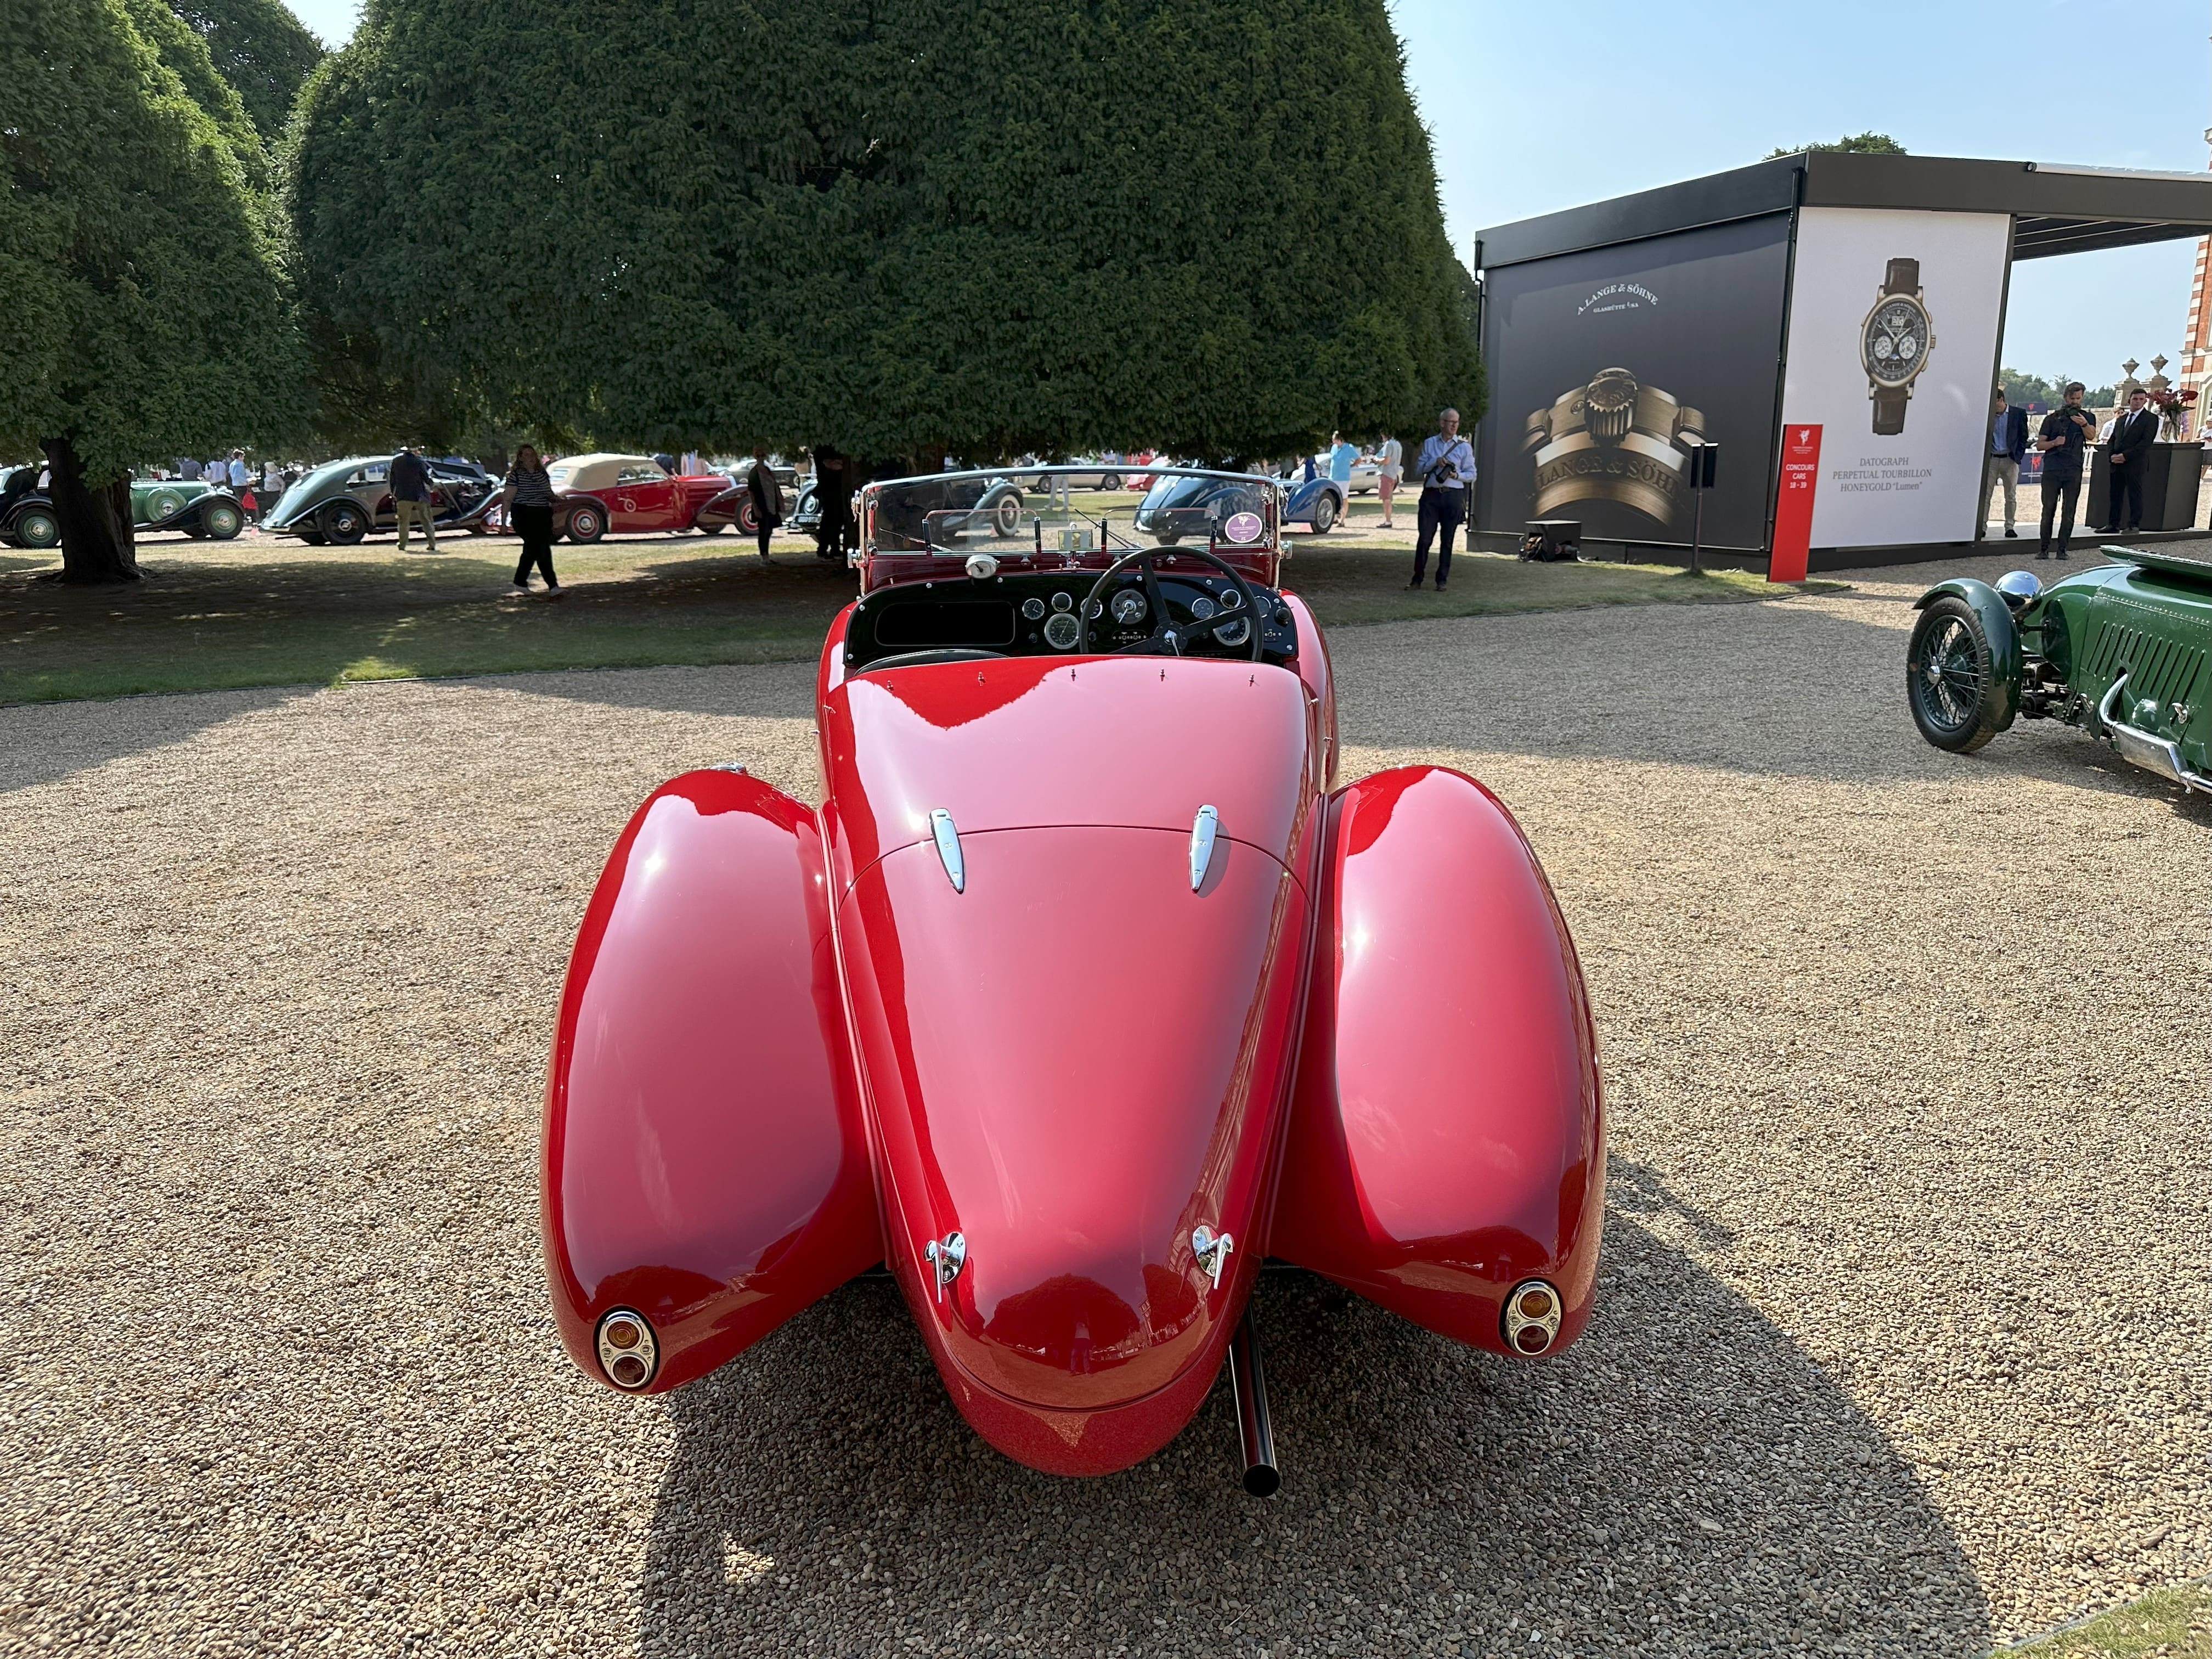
{"x":1085,"y":993}
{"x":594,"y":495}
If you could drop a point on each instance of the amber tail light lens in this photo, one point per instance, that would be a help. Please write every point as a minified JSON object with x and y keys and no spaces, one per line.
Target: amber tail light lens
{"x":627,"y":1352}
{"x":1531,"y":1318}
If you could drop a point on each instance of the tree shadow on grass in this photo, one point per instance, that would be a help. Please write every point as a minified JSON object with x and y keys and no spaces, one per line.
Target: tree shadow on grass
{"x":1684,"y":1480}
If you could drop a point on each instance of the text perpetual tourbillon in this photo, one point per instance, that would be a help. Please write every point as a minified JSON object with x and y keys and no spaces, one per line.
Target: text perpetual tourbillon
{"x":1894,"y":344}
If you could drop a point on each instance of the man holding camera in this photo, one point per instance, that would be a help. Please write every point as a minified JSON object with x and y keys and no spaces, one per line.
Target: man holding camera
{"x":1444,"y":469}
{"x":2064,"y":440}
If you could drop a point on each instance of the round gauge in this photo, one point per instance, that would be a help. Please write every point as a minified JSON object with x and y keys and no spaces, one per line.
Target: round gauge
{"x":1201,"y":609}
{"x":1233,"y":635}
{"x":1062,"y":632}
{"x":1231,"y":600}
{"x":1129,"y":606}
{"x":1063,"y":601}
{"x":1033,"y":608}
{"x":1093,"y":610}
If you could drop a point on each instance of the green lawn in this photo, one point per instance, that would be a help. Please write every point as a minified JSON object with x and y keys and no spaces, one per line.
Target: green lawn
{"x":2168,"y":1624}
{"x":251,"y":612}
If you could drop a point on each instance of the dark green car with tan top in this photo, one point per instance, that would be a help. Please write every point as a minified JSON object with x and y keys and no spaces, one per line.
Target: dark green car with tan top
{"x":2117,"y":650}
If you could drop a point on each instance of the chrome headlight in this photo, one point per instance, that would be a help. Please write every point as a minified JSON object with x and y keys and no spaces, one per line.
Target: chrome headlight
{"x":2019,"y":588}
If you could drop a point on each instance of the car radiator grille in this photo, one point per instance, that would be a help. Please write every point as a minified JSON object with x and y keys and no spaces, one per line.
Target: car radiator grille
{"x":2162,"y":669}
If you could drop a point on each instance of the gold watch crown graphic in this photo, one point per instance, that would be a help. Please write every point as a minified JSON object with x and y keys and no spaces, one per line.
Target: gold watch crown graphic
{"x":1615,"y":440}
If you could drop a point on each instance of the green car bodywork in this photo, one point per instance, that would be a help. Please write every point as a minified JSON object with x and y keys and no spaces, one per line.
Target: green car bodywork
{"x":2118,"y":650}
{"x":185,"y":504}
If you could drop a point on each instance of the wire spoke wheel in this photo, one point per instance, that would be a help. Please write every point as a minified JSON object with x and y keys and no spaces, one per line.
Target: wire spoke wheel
{"x":1950,"y":677}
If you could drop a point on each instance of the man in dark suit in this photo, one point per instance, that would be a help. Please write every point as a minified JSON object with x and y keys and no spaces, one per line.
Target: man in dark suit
{"x":2129,"y":451}
{"x":2001,"y":465}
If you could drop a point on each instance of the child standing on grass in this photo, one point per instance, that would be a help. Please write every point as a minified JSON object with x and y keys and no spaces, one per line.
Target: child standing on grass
{"x":528,"y":501}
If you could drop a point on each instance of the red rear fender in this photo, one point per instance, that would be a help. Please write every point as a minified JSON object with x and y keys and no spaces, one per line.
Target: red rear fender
{"x":704,"y":1159}
{"x":1446,"y":1141}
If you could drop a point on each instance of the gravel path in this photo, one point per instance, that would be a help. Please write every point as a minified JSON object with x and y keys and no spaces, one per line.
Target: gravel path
{"x":1901,"y":1336}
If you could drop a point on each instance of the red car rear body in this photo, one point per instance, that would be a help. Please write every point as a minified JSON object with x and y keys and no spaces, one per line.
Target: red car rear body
{"x":795,"y":1042}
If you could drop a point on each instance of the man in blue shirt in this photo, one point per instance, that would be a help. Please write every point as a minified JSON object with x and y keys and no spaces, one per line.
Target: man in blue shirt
{"x":2007,"y":448}
{"x":1444,"y":469}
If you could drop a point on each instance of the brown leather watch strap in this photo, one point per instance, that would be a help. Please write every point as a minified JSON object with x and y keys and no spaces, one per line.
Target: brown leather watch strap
{"x":1904,"y":276}
{"x":1889,"y":402}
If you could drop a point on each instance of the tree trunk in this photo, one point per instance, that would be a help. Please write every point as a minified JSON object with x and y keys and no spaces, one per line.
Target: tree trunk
{"x":97,"y":542}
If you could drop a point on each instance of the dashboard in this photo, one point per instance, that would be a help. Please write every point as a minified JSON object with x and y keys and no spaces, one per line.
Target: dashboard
{"x":1035,"y":614}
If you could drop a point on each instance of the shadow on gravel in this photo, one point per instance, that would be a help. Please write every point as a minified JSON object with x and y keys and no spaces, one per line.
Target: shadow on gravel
{"x":766,"y":690}
{"x":40,"y":742}
{"x":1683,"y":1481}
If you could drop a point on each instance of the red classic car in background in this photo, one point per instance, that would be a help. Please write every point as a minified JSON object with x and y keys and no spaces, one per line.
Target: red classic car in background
{"x":631,"y":494}
{"x":1084,"y":991}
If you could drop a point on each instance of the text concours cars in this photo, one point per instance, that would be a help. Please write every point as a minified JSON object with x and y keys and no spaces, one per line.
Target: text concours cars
{"x":1019,"y":1010}
{"x":2117,"y":650}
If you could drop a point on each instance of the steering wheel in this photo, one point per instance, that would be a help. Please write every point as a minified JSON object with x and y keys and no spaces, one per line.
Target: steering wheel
{"x":1165,"y":640}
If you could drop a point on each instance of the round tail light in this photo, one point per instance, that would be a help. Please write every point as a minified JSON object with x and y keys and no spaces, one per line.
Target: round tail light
{"x":627,"y":1352}
{"x":1531,"y":1322}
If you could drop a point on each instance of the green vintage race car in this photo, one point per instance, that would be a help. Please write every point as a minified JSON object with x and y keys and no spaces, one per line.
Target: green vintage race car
{"x":2117,"y":650}
{"x":185,"y":504}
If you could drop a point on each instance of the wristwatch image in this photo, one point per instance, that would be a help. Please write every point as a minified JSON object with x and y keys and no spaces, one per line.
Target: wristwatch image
{"x":1894,"y":345}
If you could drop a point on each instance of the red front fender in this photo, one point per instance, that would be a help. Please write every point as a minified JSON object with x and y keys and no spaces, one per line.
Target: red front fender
{"x":1446,"y":1139}
{"x":704,"y":1160}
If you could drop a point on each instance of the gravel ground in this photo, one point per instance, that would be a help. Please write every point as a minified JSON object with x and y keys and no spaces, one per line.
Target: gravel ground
{"x":1900,"y":1343}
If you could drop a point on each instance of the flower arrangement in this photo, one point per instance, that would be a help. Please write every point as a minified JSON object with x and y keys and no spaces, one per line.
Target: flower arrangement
{"x":2172,"y":402}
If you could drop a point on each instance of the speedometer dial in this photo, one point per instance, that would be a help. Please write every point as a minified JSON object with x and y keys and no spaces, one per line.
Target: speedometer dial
{"x":1061,"y":631}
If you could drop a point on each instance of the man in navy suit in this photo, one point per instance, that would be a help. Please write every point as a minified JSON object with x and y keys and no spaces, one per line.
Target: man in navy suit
{"x":2129,"y":451}
{"x":2007,"y":448}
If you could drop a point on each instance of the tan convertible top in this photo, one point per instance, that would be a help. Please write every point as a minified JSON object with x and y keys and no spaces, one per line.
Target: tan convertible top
{"x":602,"y":471}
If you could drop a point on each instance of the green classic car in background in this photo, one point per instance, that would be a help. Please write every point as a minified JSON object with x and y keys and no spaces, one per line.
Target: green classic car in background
{"x":2117,"y":650}
{"x":185,"y":504}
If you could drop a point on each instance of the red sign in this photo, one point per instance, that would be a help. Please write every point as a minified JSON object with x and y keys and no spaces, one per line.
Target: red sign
{"x":1793,"y":509}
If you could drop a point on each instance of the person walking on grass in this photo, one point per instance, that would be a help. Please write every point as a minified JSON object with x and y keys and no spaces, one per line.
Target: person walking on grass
{"x":1390,"y":458}
{"x":766,"y":497}
{"x":1444,"y":468}
{"x":409,"y":478}
{"x":527,"y":500}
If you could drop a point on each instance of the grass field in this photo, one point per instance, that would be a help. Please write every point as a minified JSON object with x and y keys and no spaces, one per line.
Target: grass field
{"x":273,"y":612}
{"x":2168,"y":1624}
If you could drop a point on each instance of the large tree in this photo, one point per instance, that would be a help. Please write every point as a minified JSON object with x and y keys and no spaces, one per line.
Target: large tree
{"x":896,"y":226}
{"x":146,"y":314}
{"x":261,"y":50}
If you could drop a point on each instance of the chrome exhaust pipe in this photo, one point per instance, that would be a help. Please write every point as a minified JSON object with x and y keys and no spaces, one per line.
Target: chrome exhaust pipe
{"x":1249,"y":1385}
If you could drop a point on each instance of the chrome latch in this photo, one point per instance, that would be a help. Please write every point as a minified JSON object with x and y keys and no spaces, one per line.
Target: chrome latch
{"x":1212,"y":1250}
{"x":1202,"y":832}
{"x":947,"y":1255}
{"x":948,"y":848}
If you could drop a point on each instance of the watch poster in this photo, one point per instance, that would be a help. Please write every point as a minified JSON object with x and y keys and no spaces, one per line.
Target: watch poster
{"x":1892,"y":353}
{"x":1606,"y":366}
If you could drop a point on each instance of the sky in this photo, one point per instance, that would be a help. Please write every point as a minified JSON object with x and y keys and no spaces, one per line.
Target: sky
{"x":1533,"y":108}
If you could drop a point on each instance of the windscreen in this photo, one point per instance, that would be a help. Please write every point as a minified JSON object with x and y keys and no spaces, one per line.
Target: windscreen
{"x":1013,"y":513}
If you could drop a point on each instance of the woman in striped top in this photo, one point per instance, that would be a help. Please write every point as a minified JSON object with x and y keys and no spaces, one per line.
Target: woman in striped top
{"x":528,"y":500}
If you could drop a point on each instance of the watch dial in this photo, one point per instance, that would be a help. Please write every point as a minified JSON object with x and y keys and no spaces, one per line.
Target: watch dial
{"x":1896,"y":336}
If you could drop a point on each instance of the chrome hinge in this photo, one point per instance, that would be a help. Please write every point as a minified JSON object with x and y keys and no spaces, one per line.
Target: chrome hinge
{"x":1212,"y":1250}
{"x":947,"y":1255}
